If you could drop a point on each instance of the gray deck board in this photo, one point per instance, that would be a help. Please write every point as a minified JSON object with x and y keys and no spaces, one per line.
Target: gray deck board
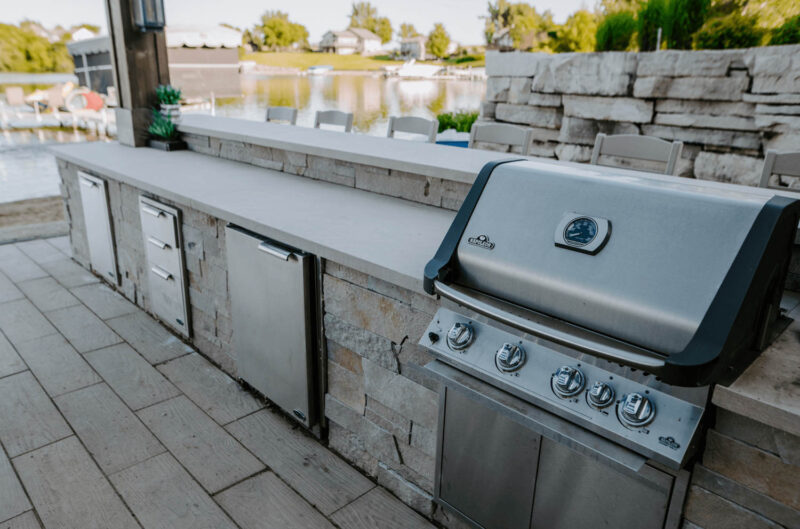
{"x":378,"y":508}
{"x":103,"y":301}
{"x":148,"y":337}
{"x":61,"y":243}
{"x":85,"y":331}
{"x":18,"y":266}
{"x":321,"y":477}
{"x":130,"y":376}
{"x":69,"y":491}
{"x":10,"y":361}
{"x":46,"y":294}
{"x":13,"y":500}
{"x":164,"y":496}
{"x":21,"y":321}
{"x":69,"y":273}
{"x":26,"y":520}
{"x":110,"y":431}
{"x":8,"y":291}
{"x":28,"y":417}
{"x":40,"y":250}
{"x":205,"y":449}
{"x":57,"y":365}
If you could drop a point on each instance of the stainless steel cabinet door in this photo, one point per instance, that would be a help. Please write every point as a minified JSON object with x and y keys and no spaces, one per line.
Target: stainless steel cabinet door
{"x":272,"y":311}
{"x":98,"y":226}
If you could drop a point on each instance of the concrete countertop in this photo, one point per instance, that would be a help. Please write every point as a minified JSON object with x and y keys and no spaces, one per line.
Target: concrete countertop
{"x":386,"y":237}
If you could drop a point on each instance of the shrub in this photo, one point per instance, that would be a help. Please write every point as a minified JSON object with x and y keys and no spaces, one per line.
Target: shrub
{"x":162,"y":127}
{"x":652,"y":16}
{"x":168,"y":95}
{"x":731,"y":31}
{"x":684,"y":17}
{"x":461,"y":121}
{"x":616,"y":31}
{"x":788,"y":33}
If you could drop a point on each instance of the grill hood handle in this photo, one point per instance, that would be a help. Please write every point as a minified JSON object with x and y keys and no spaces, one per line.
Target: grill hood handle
{"x":585,"y":345}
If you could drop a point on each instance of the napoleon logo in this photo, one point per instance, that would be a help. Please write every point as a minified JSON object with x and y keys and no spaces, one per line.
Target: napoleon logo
{"x":481,"y":241}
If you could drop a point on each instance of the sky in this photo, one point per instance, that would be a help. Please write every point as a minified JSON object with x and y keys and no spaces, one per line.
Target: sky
{"x":460,"y":17}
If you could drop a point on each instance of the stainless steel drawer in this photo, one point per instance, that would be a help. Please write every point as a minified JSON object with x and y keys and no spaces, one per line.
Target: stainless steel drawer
{"x":94,"y":199}
{"x":165,"y":265}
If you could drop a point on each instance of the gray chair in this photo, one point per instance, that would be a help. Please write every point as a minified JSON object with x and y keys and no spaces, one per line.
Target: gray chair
{"x":413,"y":125}
{"x":502,"y":134}
{"x":638,"y":148}
{"x":781,"y":164}
{"x":334,"y":117}
{"x":287,"y":114}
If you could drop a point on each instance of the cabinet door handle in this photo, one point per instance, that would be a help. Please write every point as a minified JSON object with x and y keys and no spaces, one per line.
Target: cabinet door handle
{"x":156,"y":242}
{"x":274,"y":251}
{"x":88,"y":183}
{"x":160,"y":272}
{"x":152,"y":211}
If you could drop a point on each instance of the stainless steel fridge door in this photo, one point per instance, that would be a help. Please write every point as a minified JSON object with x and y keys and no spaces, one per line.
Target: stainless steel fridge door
{"x":94,"y":199}
{"x":272,"y":311}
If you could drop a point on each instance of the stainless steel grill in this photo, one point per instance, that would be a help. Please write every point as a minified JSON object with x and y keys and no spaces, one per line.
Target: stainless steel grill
{"x":602,"y":304}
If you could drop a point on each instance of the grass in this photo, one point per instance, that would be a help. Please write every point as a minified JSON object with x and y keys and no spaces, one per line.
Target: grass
{"x":303,"y":60}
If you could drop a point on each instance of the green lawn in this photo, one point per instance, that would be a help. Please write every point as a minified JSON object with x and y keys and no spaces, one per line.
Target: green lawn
{"x":303,"y":60}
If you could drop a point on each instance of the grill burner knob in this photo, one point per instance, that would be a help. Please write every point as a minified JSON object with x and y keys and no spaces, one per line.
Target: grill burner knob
{"x":600,"y":395}
{"x":635,"y":410}
{"x":509,"y":357}
{"x":567,"y":382}
{"x":460,"y":336}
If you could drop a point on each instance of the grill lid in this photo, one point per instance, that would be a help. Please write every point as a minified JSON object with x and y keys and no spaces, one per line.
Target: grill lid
{"x":661,"y":263}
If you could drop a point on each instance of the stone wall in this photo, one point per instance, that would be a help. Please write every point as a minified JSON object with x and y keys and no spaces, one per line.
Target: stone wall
{"x":728,"y":107}
{"x":431,"y":191}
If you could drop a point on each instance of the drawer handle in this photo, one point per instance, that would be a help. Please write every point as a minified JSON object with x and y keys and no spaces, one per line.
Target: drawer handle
{"x":160,"y":272}
{"x":153,"y":211}
{"x":156,"y":242}
{"x":274,"y":251}
{"x":88,"y":183}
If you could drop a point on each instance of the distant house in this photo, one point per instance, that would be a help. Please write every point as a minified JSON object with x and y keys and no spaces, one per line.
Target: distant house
{"x":414,"y":48}
{"x":92,"y":58}
{"x":83,"y":34}
{"x":350,"y":41}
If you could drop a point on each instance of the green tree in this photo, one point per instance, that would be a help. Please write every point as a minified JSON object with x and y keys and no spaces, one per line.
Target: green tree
{"x":577,"y":33}
{"x":731,"y":31}
{"x":788,"y":33}
{"x":276,"y":31}
{"x":615,"y":31}
{"x":22,"y":50}
{"x":614,"y":6}
{"x":438,"y":41}
{"x":407,"y":31}
{"x":365,"y":15}
{"x":527,"y":27}
{"x":651,"y":16}
{"x":683,"y":19}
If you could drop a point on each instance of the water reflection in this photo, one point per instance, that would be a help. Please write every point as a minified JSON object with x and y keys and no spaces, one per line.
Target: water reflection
{"x":371,"y":98}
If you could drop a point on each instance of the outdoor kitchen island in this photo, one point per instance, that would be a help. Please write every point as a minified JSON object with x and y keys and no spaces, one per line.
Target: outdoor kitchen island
{"x":380,"y":406}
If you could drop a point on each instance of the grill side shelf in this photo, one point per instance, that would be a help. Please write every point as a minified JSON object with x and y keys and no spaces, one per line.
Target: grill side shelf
{"x":439,"y":266}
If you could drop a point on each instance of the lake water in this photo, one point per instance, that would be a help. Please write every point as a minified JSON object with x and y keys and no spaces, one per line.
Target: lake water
{"x":371,"y":98}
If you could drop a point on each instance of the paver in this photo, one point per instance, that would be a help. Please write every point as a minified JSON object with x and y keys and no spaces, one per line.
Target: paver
{"x":20,"y":321}
{"x":69,"y":491}
{"x":164,"y":496}
{"x":204,"y":448}
{"x":47,"y":294}
{"x":61,"y":243}
{"x":266,"y":502}
{"x":8,"y":291}
{"x":85,"y":331}
{"x":103,"y":301}
{"x":56,"y":364}
{"x":215,"y":392}
{"x":13,"y":500}
{"x":148,"y":337}
{"x":40,"y":250}
{"x":28,"y":417}
{"x":69,"y":273}
{"x":378,"y":508}
{"x":110,"y":431}
{"x":23,"y":521}
{"x":18,"y":266}
{"x":322,"y":478}
{"x":10,"y":362}
{"x":130,"y":376}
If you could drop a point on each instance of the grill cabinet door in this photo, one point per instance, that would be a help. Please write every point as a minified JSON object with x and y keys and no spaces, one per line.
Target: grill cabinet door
{"x":271,"y":307}
{"x":98,"y":226}
{"x":488,"y":463}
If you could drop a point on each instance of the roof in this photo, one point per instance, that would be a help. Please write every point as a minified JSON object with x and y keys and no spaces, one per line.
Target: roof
{"x":364,"y":34}
{"x":202,"y":37}
{"x":90,"y":46}
{"x":419,"y":38}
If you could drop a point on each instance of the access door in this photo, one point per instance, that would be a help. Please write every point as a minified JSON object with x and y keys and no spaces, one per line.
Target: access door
{"x":94,"y":198}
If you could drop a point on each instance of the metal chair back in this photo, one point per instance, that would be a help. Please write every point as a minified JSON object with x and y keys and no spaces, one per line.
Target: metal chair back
{"x":413,"y":125}
{"x":287,"y":114}
{"x":637,"y":147}
{"x":334,"y":117}
{"x":502,"y":134}
{"x":781,"y":164}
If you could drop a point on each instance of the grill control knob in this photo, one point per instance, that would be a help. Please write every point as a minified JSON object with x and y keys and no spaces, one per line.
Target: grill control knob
{"x":600,"y":395}
{"x":635,"y":410}
{"x":567,"y":382}
{"x":509,"y":357}
{"x":460,"y":336}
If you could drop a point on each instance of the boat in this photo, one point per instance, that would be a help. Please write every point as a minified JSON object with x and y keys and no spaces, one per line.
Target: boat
{"x":319,"y":69}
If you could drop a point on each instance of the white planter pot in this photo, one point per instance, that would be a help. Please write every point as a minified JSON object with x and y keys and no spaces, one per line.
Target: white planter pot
{"x":172,"y":112}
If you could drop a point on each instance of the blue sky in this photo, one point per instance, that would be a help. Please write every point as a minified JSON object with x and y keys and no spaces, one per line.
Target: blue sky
{"x":459,"y":16}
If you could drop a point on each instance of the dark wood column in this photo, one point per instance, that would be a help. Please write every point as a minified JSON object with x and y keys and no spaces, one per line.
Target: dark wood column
{"x":140,"y":65}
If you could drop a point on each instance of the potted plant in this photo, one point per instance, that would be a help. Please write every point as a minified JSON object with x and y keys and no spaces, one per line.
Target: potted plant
{"x":164,"y":134}
{"x":169,"y":99}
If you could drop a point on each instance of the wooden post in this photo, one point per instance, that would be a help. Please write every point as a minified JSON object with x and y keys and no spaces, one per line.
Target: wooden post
{"x":140,"y":65}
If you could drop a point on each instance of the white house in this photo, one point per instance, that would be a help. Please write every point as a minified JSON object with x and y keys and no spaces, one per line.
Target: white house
{"x":349,"y":41}
{"x":414,"y":48}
